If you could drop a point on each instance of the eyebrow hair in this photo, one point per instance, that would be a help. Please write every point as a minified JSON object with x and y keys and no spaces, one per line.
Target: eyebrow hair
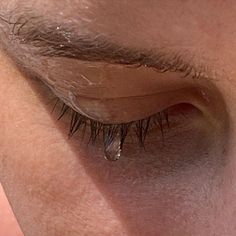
{"x":55,"y":40}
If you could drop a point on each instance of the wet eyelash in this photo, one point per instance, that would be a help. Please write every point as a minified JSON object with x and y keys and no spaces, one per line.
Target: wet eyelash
{"x":111,"y":132}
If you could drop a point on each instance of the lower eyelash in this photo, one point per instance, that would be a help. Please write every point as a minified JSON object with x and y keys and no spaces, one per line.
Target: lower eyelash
{"x":111,"y":133}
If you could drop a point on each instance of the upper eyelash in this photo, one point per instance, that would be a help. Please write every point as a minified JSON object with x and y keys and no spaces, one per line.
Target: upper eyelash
{"x":109,"y":131}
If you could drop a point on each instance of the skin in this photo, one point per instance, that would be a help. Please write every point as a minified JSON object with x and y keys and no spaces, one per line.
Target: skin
{"x":61,"y":186}
{"x":8,"y":223}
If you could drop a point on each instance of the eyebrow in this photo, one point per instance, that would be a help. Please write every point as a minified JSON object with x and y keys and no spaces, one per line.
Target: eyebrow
{"x":54,"y":40}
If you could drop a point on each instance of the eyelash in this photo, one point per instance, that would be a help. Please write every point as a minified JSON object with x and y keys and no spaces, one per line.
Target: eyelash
{"x":110,"y":132}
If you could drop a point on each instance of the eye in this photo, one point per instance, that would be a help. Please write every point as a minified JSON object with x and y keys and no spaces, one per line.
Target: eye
{"x":115,"y":137}
{"x":133,"y":111}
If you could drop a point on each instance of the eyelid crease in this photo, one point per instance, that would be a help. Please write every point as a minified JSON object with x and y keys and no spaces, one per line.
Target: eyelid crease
{"x":128,"y":97}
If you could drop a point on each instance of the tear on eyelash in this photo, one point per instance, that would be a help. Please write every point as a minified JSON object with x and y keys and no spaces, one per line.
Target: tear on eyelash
{"x":110,"y":132}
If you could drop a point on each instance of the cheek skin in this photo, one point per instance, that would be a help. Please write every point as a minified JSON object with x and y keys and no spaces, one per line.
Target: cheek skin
{"x":56,"y":189}
{"x":49,"y":190}
{"x":8,"y":223}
